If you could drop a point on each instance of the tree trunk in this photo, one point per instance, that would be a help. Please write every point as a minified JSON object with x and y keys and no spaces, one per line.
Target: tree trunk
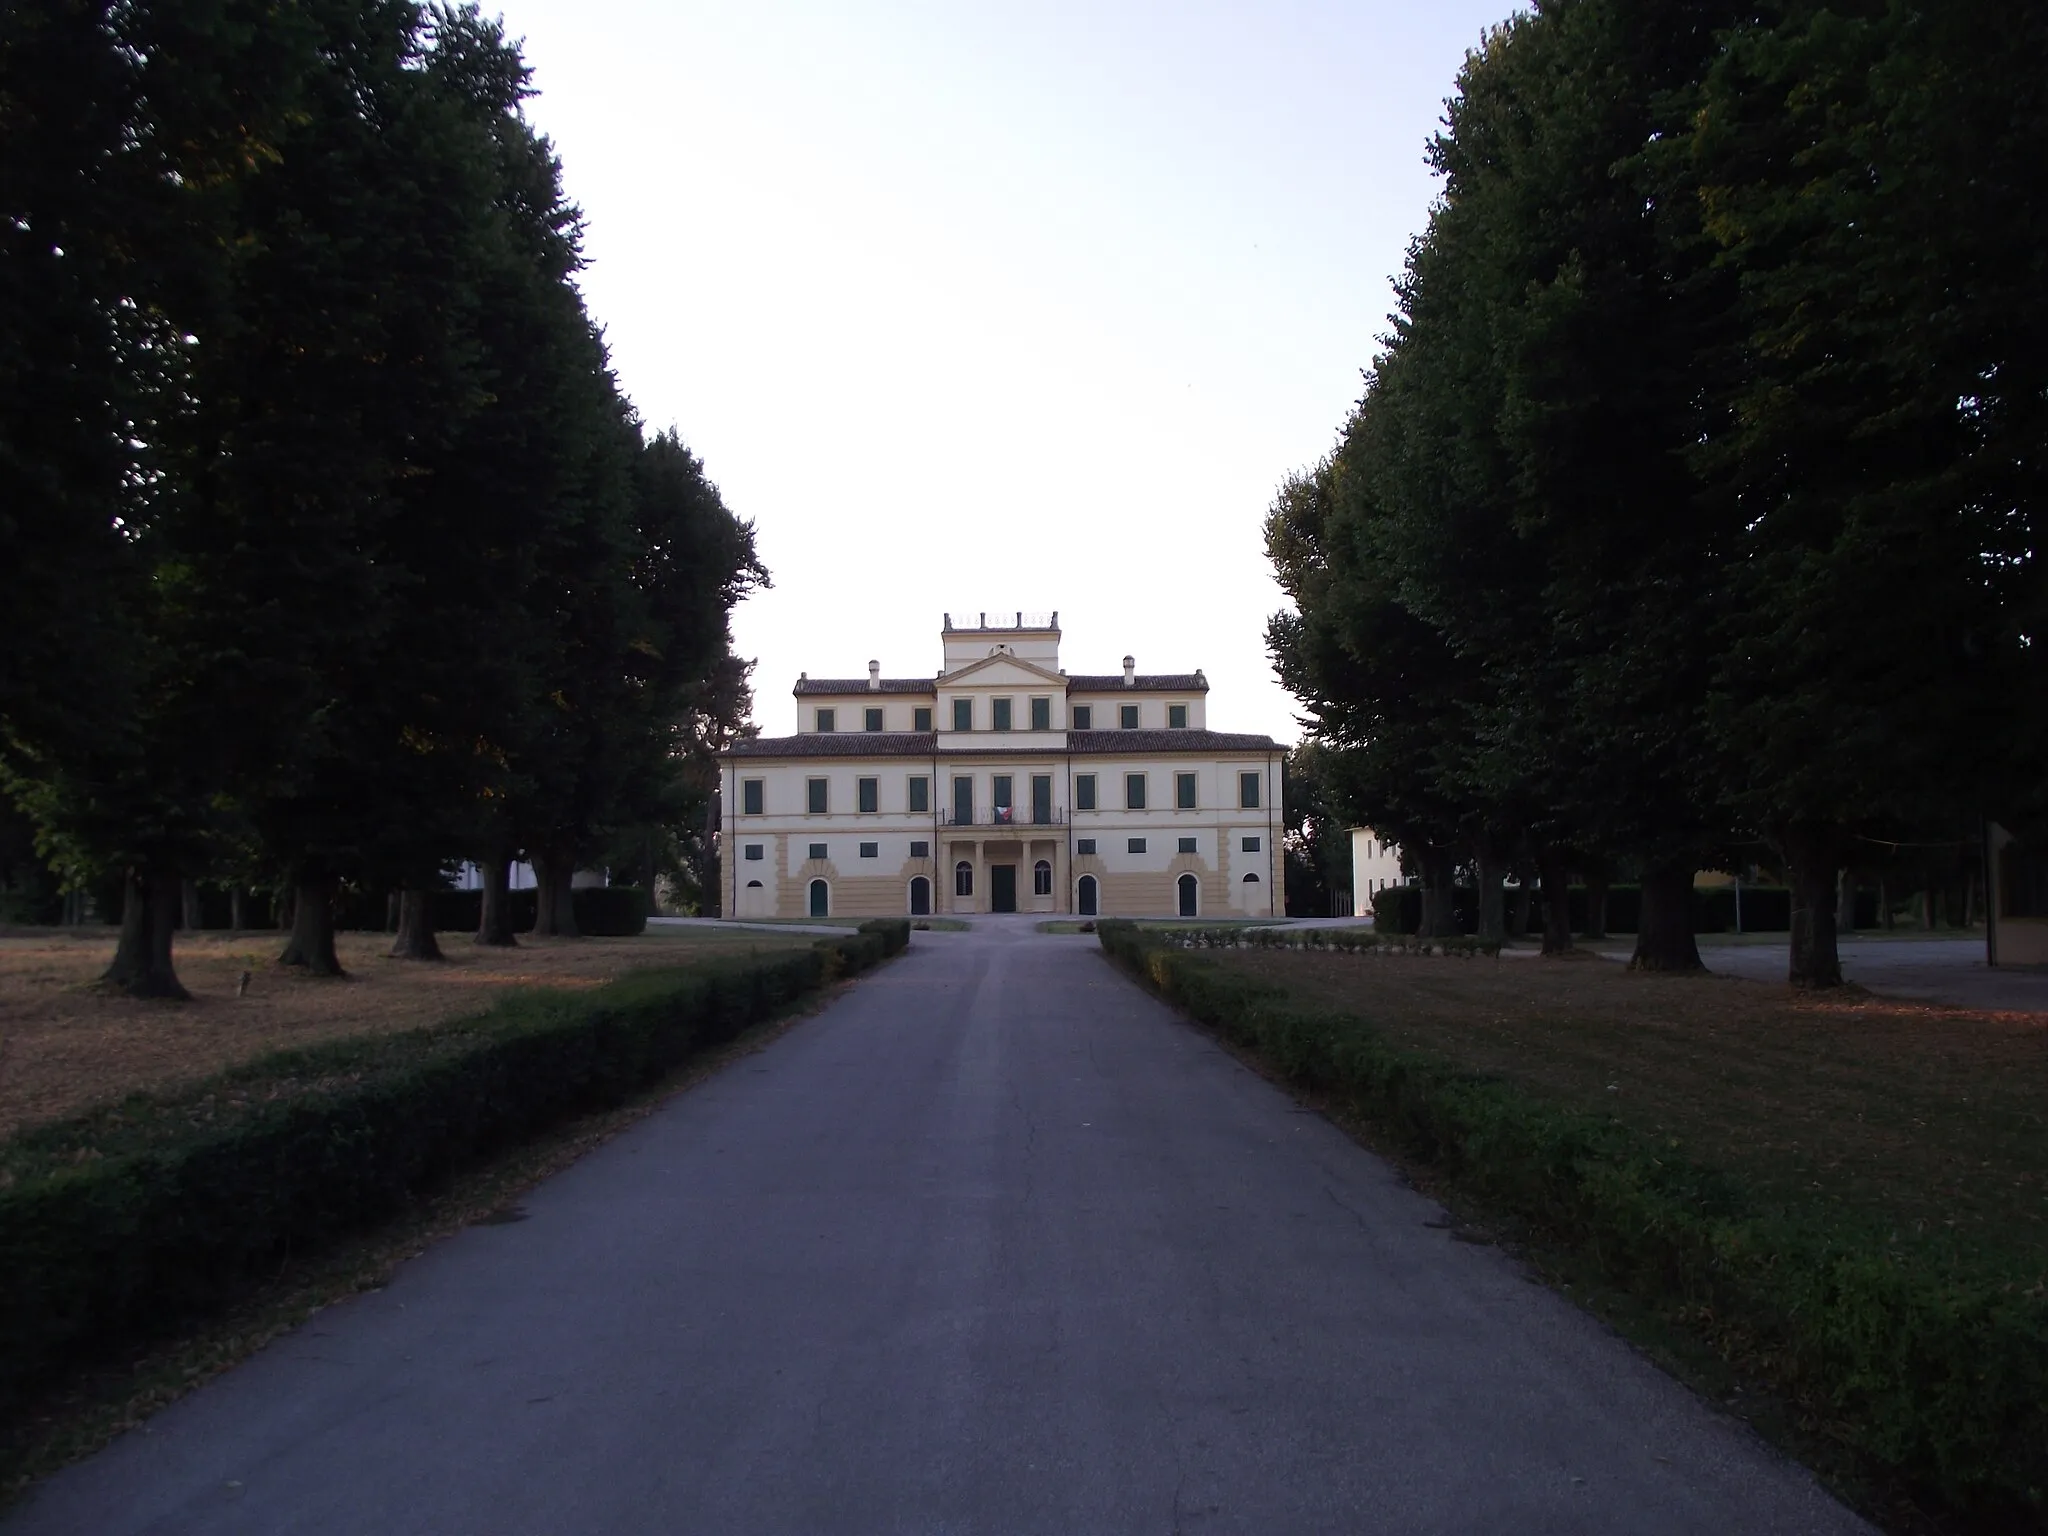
{"x":1884,"y":903}
{"x":142,"y":965}
{"x":1557,"y":902}
{"x":1927,"y":907}
{"x":1664,"y":931}
{"x":415,"y":940}
{"x":1845,"y":902}
{"x":1439,"y":872}
{"x":554,"y":914}
{"x":1493,"y":916}
{"x":287,"y":902}
{"x":312,"y":942}
{"x":494,"y":924}
{"x":236,"y":911}
{"x":1970,"y":898}
{"x":1810,"y":864}
{"x":188,"y":905}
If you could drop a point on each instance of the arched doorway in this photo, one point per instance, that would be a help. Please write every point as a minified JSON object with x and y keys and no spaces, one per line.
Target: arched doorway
{"x":920,"y":896}
{"x":1190,"y":894}
{"x":1085,"y":896}
{"x":821,"y":899}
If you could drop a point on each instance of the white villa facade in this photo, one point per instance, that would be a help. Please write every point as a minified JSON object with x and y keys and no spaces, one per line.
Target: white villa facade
{"x":1375,"y":865}
{"x":1002,"y":784}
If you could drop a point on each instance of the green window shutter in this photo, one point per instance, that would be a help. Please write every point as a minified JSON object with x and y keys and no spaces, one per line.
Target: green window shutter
{"x":920,"y":792}
{"x":1134,"y":845}
{"x":963,"y":714}
{"x":1041,"y":799}
{"x":825,"y":720}
{"x":963,"y":801}
{"x":1187,"y":845}
{"x":1002,"y":787}
{"x":1127,"y":717}
{"x":1041,"y":714}
{"x":869,"y":792}
{"x":750,"y":797}
{"x":1084,"y":717}
{"x":1134,"y":791}
{"x":1001,"y":716}
{"x":1084,"y":792}
{"x":814,"y":796}
{"x":921,"y":718}
{"x":1184,"y":791}
{"x":871,"y":850}
{"x":1248,"y":791}
{"x":817,"y":850}
{"x":873,"y":721}
{"x":1176,"y":717}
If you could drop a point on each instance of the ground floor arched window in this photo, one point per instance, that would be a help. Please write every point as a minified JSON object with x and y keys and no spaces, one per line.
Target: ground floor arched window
{"x":963,"y":879}
{"x":1041,"y":878}
{"x":1190,"y":895}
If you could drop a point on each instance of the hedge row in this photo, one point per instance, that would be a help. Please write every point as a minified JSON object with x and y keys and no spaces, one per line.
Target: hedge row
{"x":1936,"y":1375}
{"x":118,"y":1224}
{"x":1348,"y":941}
{"x":1765,"y":909}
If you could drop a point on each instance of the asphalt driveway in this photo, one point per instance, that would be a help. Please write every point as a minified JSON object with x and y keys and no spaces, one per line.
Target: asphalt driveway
{"x":992,"y":1244}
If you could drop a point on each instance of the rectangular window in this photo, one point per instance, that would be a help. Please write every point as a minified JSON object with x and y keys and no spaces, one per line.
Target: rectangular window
{"x":920,"y":792}
{"x":1084,"y":717}
{"x":825,"y":719}
{"x":1084,"y":845}
{"x":871,"y":850}
{"x":1176,"y":717}
{"x":1084,"y":791}
{"x":1127,"y":717}
{"x":963,"y":714}
{"x":1187,"y":845}
{"x":1002,"y":791}
{"x":872,"y":720}
{"x":751,"y":795}
{"x":963,"y":801}
{"x":754,"y":851}
{"x":1134,"y":791}
{"x":1041,"y":714}
{"x":920,"y":850}
{"x":814,"y":796}
{"x":1135,"y":845}
{"x":1250,"y":845}
{"x":921,"y":718}
{"x":1184,"y":791}
{"x":1000,"y":720}
{"x":1041,"y":798}
{"x":1248,"y":791}
{"x":867,"y":795}
{"x":817,"y":850}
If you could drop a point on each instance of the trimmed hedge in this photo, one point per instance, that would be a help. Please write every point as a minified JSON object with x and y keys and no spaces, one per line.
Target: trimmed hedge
{"x":117,"y":1224}
{"x":1936,"y":1374}
{"x":1765,"y":909}
{"x":1348,"y":941}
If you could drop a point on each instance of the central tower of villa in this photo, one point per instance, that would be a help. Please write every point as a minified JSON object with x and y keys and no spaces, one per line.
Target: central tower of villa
{"x":1002,"y":784}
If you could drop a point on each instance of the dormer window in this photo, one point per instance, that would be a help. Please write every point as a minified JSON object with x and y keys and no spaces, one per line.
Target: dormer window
{"x":825,"y":720}
{"x":874,"y":720}
{"x":1084,"y":717}
{"x":1176,"y":717}
{"x":1127,"y":717}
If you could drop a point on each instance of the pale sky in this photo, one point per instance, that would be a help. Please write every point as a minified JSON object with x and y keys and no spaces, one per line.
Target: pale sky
{"x":975,"y":308}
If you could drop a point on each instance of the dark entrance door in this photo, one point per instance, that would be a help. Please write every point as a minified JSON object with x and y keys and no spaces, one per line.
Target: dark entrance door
{"x":920,"y":897}
{"x":1087,"y":895}
{"x":1188,"y":890}
{"x":1002,"y":888}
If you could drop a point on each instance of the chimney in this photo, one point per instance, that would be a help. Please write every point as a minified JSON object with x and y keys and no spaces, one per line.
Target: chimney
{"x":1130,"y":672}
{"x":874,"y":677}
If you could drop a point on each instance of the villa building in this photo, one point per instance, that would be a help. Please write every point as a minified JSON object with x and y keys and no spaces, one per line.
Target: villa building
{"x":1002,"y":784}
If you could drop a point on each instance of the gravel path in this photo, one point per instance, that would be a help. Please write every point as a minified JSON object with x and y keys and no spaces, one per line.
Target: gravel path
{"x":992,"y":1244}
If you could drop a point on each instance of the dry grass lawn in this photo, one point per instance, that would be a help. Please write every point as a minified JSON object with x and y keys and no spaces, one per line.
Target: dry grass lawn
{"x":66,"y":1043}
{"x":1930,"y":1120}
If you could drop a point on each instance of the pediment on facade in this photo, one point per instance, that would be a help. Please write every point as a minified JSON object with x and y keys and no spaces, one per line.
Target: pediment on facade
{"x":1003,"y":671}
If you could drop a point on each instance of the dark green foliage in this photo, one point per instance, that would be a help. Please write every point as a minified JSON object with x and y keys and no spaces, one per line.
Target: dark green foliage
{"x":894,"y":933}
{"x":1397,"y":909}
{"x":116,"y":1225}
{"x":1936,"y":1375}
{"x":616,"y":911}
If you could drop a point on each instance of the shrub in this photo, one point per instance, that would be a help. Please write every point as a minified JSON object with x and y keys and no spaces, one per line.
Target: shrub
{"x":1397,"y":909}
{"x":893,"y":931}
{"x":1936,"y":1376}
{"x":610,"y":911}
{"x":118,"y":1224}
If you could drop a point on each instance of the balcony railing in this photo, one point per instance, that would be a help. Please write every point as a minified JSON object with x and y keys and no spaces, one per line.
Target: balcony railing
{"x":1006,"y":816}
